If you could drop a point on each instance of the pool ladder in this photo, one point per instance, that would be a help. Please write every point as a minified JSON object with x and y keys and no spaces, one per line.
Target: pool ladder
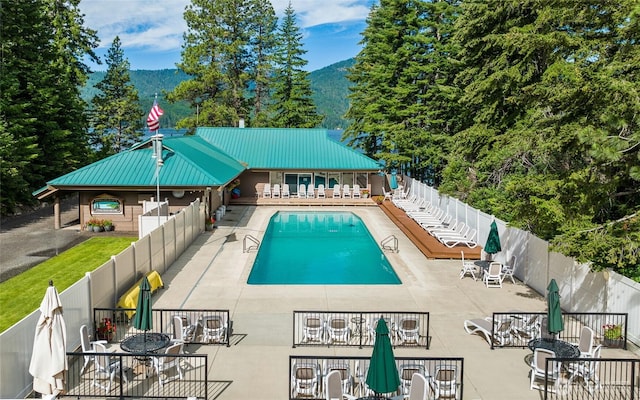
{"x":390,"y":243}
{"x":249,"y":243}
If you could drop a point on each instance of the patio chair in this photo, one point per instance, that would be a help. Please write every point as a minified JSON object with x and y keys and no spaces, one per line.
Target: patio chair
{"x":266,"y":191}
{"x":165,"y":363}
{"x":362,"y":368}
{"x":419,"y":389}
{"x":406,"y":372}
{"x":445,"y":381}
{"x":468,"y":267}
{"x":373,"y":322}
{"x":346,"y":192}
{"x":321,"y":193}
{"x":509,"y":268}
{"x":529,"y":328}
{"x":304,"y":379}
{"x":276,"y":191}
{"x":334,"y":387}
{"x":538,"y":369}
{"x":387,"y":195}
{"x":587,"y":370}
{"x":338,"y":329}
{"x":356,"y":191}
{"x":344,"y":372}
{"x":214,"y":328}
{"x":585,"y":341}
{"x":302,"y":191}
{"x":336,"y":191}
{"x":183,"y":330}
{"x":285,"y":191}
{"x":408,"y":329}
{"x":499,"y":334}
{"x":106,"y":369}
{"x":88,"y":347}
{"x":311,"y":193}
{"x":493,"y":276}
{"x":313,"y":328}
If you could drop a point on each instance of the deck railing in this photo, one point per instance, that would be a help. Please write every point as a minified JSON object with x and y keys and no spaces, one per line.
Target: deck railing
{"x":530,"y":325}
{"x":136,"y":377}
{"x":195,"y":322}
{"x":357,"y":328}
{"x":445,"y":375}
{"x":592,"y":378}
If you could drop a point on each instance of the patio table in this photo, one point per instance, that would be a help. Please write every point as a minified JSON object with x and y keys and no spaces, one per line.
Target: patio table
{"x":142,"y":344}
{"x":561,"y":348}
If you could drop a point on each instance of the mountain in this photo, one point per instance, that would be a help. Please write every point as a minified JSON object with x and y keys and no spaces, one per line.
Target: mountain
{"x":329,"y":84}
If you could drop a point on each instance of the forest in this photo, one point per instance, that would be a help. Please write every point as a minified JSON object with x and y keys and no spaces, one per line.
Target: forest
{"x":525,"y":109}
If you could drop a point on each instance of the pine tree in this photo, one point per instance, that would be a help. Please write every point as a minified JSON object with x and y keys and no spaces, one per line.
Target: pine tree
{"x":117,"y":116}
{"x":292,"y":105}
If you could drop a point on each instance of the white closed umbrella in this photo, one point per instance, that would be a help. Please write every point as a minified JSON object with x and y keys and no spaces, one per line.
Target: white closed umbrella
{"x":49,"y":359}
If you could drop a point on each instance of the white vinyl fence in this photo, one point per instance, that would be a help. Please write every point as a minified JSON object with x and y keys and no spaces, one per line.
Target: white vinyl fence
{"x":581,"y":290}
{"x":98,"y":289}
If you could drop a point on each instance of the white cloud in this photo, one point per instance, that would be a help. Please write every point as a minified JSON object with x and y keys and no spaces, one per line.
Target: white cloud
{"x":160,"y":25}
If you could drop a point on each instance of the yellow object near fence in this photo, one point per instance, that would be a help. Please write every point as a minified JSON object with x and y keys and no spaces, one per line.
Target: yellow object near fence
{"x":130,"y":298}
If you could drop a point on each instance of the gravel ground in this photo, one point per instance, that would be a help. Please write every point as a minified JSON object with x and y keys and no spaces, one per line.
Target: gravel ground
{"x":29,"y":239}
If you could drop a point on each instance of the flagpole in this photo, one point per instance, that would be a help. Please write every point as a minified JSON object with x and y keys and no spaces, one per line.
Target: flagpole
{"x":154,"y":126}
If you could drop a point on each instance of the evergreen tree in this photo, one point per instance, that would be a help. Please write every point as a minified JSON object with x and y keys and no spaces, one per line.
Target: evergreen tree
{"x":117,"y":116}
{"x":292,"y":105}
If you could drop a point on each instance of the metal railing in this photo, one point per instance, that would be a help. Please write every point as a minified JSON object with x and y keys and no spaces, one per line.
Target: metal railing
{"x":134,"y":376}
{"x":357,"y":328}
{"x":389,"y":243}
{"x":250,"y":243}
{"x":525,"y":326}
{"x":445,"y":375}
{"x":202,"y":326}
{"x":591,"y":378}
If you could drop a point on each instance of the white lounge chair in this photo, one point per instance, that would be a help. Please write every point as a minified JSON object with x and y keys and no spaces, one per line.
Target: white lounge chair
{"x":302,"y":191}
{"x":467,"y":239}
{"x":336,"y":191}
{"x":346,"y":192}
{"x":321,"y":193}
{"x":498,"y":335}
{"x":356,"y":191}
{"x":285,"y":191}
{"x":266,"y":191}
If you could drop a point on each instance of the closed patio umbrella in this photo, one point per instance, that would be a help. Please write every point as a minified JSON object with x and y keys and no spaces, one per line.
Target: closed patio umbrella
{"x":493,"y":241}
{"x":143,"y":320}
{"x":393,"y":183}
{"x":554,"y":314}
{"x":49,"y":359}
{"x":382,"y":376}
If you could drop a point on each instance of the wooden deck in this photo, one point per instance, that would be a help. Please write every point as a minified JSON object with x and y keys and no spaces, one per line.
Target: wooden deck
{"x":428,"y":245}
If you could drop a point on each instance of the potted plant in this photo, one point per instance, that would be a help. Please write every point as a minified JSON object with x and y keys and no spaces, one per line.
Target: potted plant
{"x":613,"y":335}
{"x":106,"y":330}
{"x":378,"y":199}
{"x":365,"y":193}
{"x":108,"y":225}
{"x":209,"y":223}
{"x":95,"y":225}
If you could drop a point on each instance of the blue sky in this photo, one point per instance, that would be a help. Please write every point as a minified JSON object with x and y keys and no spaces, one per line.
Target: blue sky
{"x":151,"y":31}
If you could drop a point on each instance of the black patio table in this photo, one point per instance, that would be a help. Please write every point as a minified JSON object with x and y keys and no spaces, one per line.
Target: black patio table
{"x":142,"y":343}
{"x":561,"y":348}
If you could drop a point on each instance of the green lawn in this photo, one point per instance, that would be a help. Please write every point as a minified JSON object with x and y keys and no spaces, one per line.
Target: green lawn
{"x":22,"y":294}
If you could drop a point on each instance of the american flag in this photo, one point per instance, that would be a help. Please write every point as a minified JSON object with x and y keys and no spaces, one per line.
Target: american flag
{"x":153,"y":120}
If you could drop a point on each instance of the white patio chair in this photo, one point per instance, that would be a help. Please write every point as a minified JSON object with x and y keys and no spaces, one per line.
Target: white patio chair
{"x":406,"y":372}
{"x":344,"y":372}
{"x":509,"y":268}
{"x":321,"y":192}
{"x":183,"y":330}
{"x":468,"y":267}
{"x":493,"y":276}
{"x":88,"y":347}
{"x":313,"y":328}
{"x":408,"y":329}
{"x":302,"y":191}
{"x":334,"y":386}
{"x":445,"y":381}
{"x":106,"y":369}
{"x":338,"y":329}
{"x":304,"y":379}
{"x":356,"y":191}
{"x":346,"y":192}
{"x":336,"y":191}
{"x":586,"y":371}
{"x":214,"y":328}
{"x":275,"y":194}
{"x":311,"y":193}
{"x":585,"y":341}
{"x":538,"y":369}
{"x":266,"y":191}
{"x":167,"y":362}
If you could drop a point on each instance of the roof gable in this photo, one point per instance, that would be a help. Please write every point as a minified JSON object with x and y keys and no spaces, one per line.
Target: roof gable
{"x":287,"y":148}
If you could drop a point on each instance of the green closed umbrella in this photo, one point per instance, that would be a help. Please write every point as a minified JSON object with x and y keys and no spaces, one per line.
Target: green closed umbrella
{"x":554,"y":313}
{"x":382,"y":376}
{"x":493,"y":240}
{"x":143,"y":319}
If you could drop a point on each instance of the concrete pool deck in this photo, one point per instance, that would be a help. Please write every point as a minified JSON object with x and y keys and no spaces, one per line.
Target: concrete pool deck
{"x":213,"y":271}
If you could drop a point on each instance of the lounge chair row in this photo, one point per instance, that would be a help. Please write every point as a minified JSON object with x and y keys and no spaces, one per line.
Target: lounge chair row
{"x":304,"y":192}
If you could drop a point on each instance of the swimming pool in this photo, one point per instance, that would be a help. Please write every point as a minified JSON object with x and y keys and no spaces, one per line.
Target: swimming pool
{"x":320,"y":248}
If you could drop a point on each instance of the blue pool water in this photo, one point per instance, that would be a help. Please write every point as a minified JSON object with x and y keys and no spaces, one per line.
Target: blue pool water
{"x":320,"y":248}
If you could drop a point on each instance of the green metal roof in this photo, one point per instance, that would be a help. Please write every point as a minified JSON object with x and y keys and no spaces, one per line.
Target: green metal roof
{"x":287,"y":148}
{"x":188,"y":161}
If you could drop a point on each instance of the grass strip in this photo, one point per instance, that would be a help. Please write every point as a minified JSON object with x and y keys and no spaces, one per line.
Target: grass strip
{"x":22,"y":294}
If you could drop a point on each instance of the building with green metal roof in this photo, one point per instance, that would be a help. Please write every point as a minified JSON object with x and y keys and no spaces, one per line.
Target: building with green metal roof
{"x":206,"y":166}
